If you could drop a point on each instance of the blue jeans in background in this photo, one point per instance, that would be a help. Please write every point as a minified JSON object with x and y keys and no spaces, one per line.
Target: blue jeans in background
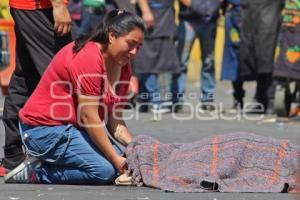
{"x":90,"y":18}
{"x":188,"y":31}
{"x":68,"y":155}
{"x":149,"y":91}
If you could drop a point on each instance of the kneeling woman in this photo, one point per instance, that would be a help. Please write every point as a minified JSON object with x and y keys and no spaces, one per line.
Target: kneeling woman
{"x":81,"y":93}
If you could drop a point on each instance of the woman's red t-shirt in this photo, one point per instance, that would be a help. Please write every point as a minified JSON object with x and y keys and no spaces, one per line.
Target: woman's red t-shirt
{"x":54,"y":101}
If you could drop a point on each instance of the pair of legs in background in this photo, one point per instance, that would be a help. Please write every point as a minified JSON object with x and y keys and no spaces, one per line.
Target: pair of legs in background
{"x":157,"y":56}
{"x":206,"y":33}
{"x":36,"y":44}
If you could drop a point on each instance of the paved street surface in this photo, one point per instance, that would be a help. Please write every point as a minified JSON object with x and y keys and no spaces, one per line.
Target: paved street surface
{"x":170,"y":128}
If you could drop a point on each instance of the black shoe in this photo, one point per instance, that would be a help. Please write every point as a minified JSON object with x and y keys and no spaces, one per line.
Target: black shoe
{"x":143,"y":108}
{"x":256,"y":108}
{"x":131,"y":103}
{"x":207,"y":107}
{"x":270,"y":108}
{"x":237,"y":107}
{"x":176,"y":107}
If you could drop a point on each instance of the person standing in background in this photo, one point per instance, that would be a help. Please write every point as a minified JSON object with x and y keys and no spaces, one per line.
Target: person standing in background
{"x":197,"y":19}
{"x":231,"y":53}
{"x":41,"y":28}
{"x":260,"y":23}
{"x":158,"y":53}
{"x":93,"y":12}
{"x":133,"y":91}
{"x":74,"y":8}
{"x":287,"y":59}
{"x":129,"y":5}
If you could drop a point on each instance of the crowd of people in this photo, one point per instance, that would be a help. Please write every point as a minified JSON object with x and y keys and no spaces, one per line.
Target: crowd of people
{"x":97,"y":65}
{"x":252,"y":33}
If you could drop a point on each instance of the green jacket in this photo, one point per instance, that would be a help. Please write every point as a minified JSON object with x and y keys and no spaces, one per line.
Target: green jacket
{"x":93,"y":3}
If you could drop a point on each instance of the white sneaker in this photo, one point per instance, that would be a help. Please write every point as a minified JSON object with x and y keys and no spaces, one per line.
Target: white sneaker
{"x":161,"y":108}
{"x":24,"y":172}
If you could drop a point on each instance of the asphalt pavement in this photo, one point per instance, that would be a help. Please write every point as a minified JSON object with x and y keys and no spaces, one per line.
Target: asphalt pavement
{"x":168,"y":128}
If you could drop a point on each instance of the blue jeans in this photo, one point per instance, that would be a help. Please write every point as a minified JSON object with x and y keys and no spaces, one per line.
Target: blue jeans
{"x":68,"y":155}
{"x":188,"y":31}
{"x":149,"y":91}
{"x":89,"y":19}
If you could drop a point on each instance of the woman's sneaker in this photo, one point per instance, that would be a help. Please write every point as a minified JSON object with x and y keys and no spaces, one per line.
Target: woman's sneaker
{"x":25,"y":172}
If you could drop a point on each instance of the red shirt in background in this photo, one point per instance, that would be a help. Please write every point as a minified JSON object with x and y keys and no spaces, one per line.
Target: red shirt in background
{"x":31,"y":4}
{"x":54,"y":101}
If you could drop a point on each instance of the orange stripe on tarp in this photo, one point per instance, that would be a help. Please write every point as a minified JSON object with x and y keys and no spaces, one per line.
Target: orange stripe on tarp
{"x":155,"y":170}
{"x":215,"y":152}
{"x":179,"y":180}
{"x":280,"y":155}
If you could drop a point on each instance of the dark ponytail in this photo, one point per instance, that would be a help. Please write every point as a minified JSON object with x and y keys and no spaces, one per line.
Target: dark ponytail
{"x":120,"y":22}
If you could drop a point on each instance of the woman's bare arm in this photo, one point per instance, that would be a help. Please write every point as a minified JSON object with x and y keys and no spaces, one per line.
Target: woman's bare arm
{"x":117,"y":127}
{"x":90,"y":120}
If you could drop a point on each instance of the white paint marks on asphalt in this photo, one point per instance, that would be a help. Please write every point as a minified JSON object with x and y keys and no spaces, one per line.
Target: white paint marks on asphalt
{"x":14,"y":198}
{"x":40,"y":195}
